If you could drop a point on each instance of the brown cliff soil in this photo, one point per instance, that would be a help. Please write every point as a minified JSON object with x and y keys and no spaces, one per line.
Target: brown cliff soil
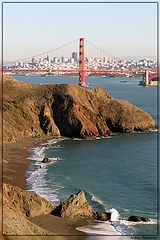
{"x":67,"y":110}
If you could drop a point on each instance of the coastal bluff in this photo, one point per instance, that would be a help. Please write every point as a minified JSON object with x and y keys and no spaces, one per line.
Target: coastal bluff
{"x":21,"y":210}
{"x":30,"y":214}
{"x":66,"y":110}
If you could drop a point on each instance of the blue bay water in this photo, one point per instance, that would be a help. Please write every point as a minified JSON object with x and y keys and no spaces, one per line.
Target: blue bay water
{"x":118,"y":172}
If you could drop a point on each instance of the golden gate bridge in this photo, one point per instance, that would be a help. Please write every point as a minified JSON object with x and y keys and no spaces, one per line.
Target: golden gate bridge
{"x":25,"y":65}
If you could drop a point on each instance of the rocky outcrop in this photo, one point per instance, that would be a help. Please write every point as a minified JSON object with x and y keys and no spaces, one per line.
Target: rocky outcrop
{"x":46,"y":160}
{"x":28,"y":204}
{"x":48,"y":145}
{"x":103,"y":216}
{"x":16,"y":203}
{"x":68,"y":110}
{"x":134,"y":218}
{"x":77,"y":206}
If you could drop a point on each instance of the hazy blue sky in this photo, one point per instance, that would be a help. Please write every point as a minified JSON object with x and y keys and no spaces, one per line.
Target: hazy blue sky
{"x":123,"y":29}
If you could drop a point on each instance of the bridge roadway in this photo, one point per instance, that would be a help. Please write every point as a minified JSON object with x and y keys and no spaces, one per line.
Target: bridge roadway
{"x":151,"y":75}
{"x":72,"y":70}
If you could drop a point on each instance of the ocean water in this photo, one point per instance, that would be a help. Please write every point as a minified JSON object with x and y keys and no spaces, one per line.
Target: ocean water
{"x":118,"y":173}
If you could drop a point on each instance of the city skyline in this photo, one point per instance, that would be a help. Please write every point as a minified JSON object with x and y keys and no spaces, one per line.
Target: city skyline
{"x":32,"y":28}
{"x":57,"y":65}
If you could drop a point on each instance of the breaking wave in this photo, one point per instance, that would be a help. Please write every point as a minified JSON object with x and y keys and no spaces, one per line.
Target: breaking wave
{"x":35,"y":174}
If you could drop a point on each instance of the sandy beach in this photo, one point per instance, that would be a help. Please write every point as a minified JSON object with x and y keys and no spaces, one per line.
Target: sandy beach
{"x":14,"y":167}
{"x":15,"y":162}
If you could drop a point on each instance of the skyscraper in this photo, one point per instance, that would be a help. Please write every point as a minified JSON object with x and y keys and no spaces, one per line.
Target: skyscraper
{"x":105,"y":59}
{"x":74,"y":55}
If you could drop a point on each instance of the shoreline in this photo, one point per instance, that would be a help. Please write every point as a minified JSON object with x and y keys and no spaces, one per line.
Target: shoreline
{"x":15,"y":161}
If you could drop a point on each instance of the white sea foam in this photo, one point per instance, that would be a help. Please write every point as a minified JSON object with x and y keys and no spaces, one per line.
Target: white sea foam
{"x":100,"y":228}
{"x":114,"y":214}
{"x":102,"y":231}
{"x":115,"y":225}
{"x":126,"y":210}
{"x":118,"y":229}
{"x":77,"y":139}
{"x":35,"y":174}
{"x":121,"y":227}
{"x":130,"y":223}
{"x":155,"y":130}
{"x":97,"y":200}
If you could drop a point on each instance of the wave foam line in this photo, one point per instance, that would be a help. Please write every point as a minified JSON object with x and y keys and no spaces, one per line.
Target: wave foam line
{"x":101,"y":228}
{"x":119,"y":227}
{"x":35,"y":174}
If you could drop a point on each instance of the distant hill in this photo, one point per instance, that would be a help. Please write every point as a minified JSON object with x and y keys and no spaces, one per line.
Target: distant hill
{"x":137,"y":58}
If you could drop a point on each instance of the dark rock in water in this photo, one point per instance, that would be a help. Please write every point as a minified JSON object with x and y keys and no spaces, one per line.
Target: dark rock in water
{"x":77,"y":206}
{"x":138,"y":219}
{"x":103,"y":216}
{"x":134,"y":219}
{"x":144,"y":219}
{"x":46,"y":160}
{"x":47,"y":145}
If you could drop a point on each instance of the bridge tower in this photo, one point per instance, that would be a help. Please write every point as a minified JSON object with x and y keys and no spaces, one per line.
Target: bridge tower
{"x":146,"y":78}
{"x":81,"y":63}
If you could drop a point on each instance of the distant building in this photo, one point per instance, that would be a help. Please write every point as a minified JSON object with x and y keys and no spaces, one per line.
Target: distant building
{"x":74,"y":56}
{"x":72,"y":60}
{"x":55,"y":59}
{"x":62,"y":59}
{"x":105,"y":60}
{"x":48,"y":58}
{"x":122,"y":62}
{"x":20,"y":64}
{"x":34,"y":60}
{"x":66,"y":60}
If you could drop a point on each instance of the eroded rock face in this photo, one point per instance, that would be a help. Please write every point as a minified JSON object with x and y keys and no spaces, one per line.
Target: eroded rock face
{"x":77,"y":206}
{"x":93,"y":113}
{"x":30,"y":205}
{"x":47,"y":122}
{"x":134,"y":218}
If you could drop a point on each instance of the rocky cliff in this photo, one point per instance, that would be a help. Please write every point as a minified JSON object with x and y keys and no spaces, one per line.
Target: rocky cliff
{"x":28,"y":204}
{"x":17,"y":206}
{"x":21,"y":207}
{"x":67,"y":110}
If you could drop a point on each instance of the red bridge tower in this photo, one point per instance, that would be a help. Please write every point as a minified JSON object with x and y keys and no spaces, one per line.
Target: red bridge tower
{"x":81,"y":64}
